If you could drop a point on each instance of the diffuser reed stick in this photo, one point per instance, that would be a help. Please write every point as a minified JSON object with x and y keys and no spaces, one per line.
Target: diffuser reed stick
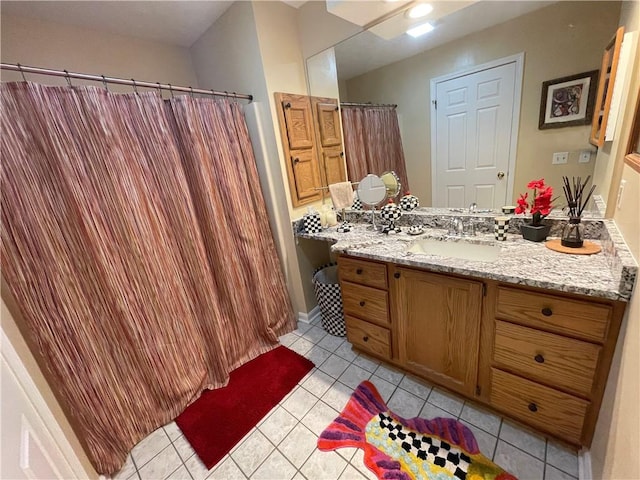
{"x":574,"y":192}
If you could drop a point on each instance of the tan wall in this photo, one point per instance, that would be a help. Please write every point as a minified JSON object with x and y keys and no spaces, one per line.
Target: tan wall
{"x":551,"y":51}
{"x":617,"y":427}
{"x":277,"y":28}
{"x":609,"y":171}
{"x":254,"y":47}
{"x":64,"y":47}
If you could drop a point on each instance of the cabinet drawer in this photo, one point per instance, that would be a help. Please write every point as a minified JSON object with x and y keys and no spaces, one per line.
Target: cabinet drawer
{"x":589,"y":321}
{"x":545,"y":357}
{"x":369,"y":337}
{"x":368,"y":303}
{"x":539,"y":406}
{"x":362,"y":271}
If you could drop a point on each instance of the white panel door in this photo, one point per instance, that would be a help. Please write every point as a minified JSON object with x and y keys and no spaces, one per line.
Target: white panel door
{"x":32,"y":444}
{"x":474,"y":115}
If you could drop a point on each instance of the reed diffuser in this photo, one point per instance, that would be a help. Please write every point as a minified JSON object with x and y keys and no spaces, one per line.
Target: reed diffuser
{"x":574,"y":191}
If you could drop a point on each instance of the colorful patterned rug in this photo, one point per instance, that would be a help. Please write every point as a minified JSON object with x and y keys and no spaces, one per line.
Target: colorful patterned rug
{"x":404,"y":449}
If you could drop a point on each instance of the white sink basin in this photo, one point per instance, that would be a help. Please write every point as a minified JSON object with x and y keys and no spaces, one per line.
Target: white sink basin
{"x":463,"y":250}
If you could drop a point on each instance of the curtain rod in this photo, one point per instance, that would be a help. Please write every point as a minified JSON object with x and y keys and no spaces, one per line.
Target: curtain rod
{"x":352,"y":104}
{"x":120,"y":81}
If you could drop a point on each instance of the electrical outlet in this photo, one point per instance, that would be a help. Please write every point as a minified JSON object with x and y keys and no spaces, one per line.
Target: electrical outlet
{"x":585,"y":156}
{"x":560,"y":158}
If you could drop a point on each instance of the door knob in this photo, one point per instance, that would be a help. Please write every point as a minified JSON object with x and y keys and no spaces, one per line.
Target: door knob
{"x":500,"y":175}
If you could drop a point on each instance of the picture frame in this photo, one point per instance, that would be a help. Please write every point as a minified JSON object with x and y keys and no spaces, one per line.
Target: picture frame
{"x":568,"y":101}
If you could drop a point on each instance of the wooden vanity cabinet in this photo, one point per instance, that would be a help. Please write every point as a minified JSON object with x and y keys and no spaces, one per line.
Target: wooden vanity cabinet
{"x":539,"y":357}
{"x":365,"y":300}
{"x":545,"y":358}
{"x":437,"y":322}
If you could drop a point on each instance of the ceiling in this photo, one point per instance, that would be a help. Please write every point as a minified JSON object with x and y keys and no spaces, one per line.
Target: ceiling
{"x":367,"y":51}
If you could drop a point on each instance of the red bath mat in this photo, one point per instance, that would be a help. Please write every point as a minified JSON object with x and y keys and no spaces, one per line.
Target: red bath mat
{"x":215,"y":422}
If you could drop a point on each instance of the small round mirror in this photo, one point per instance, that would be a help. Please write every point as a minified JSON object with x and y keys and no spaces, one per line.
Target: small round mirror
{"x":371,"y":190}
{"x":391,"y":183}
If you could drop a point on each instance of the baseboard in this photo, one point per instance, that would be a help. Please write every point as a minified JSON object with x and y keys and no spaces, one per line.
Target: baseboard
{"x":584,"y":465}
{"x":311,"y":316}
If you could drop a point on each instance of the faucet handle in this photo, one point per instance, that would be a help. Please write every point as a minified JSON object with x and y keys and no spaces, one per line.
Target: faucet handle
{"x":472,"y":207}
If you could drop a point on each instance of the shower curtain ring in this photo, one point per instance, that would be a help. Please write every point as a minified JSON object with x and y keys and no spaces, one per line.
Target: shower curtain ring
{"x":159,"y":89}
{"x":68,"y":78}
{"x":135,"y":87}
{"x":191,"y":88}
{"x":104,"y":82}
{"x":171,"y":90}
{"x":24,"y":79}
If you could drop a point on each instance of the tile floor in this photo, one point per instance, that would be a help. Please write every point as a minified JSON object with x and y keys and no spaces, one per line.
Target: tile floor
{"x":283,"y":445}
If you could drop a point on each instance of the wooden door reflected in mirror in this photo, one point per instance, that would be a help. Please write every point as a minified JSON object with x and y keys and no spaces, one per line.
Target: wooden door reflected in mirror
{"x":605,"y":88}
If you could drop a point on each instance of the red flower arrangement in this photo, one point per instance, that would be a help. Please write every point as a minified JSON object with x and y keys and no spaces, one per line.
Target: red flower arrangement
{"x":540,"y":205}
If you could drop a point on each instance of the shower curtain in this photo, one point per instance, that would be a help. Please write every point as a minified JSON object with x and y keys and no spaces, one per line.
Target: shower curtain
{"x":134,"y":275}
{"x":372,"y":142}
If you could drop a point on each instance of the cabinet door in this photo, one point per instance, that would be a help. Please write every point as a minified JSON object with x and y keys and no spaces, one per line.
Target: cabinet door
{"x":297,"y":114}
{"x":305,"y":172}
{"x":333,"y":165}
{"x":438,"y":327}
{"x":297,"y":132}
{"x":329,"y":124}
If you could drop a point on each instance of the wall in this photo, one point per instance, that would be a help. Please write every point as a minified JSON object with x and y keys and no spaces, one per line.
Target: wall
{"x":608,"y":170}
{"x":617,"y":427}
{"x":45,"y":44}
{"x":550,"y":52}
{"x":64,"y":47}
{"x":254,"y":47}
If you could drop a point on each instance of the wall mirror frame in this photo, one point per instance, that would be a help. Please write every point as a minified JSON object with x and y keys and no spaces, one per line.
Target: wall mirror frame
{"x":608,"y":73}
{"x":587,"y":25}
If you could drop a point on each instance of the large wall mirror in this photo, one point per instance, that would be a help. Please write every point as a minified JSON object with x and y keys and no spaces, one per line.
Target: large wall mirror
{"x":545,"y":41}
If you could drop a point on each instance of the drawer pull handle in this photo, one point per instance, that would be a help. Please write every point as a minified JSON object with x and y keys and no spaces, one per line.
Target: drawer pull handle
{"x":365,"y":338}
{"x":396,"y":275}
{"x":362,"y":302}
{"x":539,"y":358}
{"x":533,"y":407}
{"x":359,"y":271}
{"x":547,"y":312}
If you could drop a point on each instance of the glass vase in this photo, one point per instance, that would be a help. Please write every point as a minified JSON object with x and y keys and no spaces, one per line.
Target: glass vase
{"x":573,"y":233}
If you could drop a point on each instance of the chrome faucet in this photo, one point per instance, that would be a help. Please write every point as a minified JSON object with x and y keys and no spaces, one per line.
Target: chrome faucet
{"x":472,"y":207}
{"x":456,"y":227}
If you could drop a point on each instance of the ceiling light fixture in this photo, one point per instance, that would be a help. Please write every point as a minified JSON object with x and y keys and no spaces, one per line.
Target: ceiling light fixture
{"x":420,"y":10}
{"x":420,"y":29}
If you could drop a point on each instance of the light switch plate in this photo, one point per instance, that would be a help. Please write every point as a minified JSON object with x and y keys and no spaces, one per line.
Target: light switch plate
{"x":560,"y":158}
{"x":585,"y":156}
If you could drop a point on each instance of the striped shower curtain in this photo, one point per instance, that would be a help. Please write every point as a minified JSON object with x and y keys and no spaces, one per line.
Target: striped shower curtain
{"x":372,"y":142}
{"x":135,"y":244}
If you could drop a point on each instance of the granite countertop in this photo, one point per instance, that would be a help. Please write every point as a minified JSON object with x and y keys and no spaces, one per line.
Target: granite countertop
{"x":610,"y":274}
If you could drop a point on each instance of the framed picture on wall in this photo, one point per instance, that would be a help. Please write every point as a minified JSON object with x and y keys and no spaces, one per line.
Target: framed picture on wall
{"x":568,"y":101}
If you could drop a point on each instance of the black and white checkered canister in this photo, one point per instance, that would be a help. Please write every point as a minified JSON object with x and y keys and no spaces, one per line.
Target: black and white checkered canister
{"x":312,"y":222}
{"x":409,"y":202}
{"x":329,"y":296}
